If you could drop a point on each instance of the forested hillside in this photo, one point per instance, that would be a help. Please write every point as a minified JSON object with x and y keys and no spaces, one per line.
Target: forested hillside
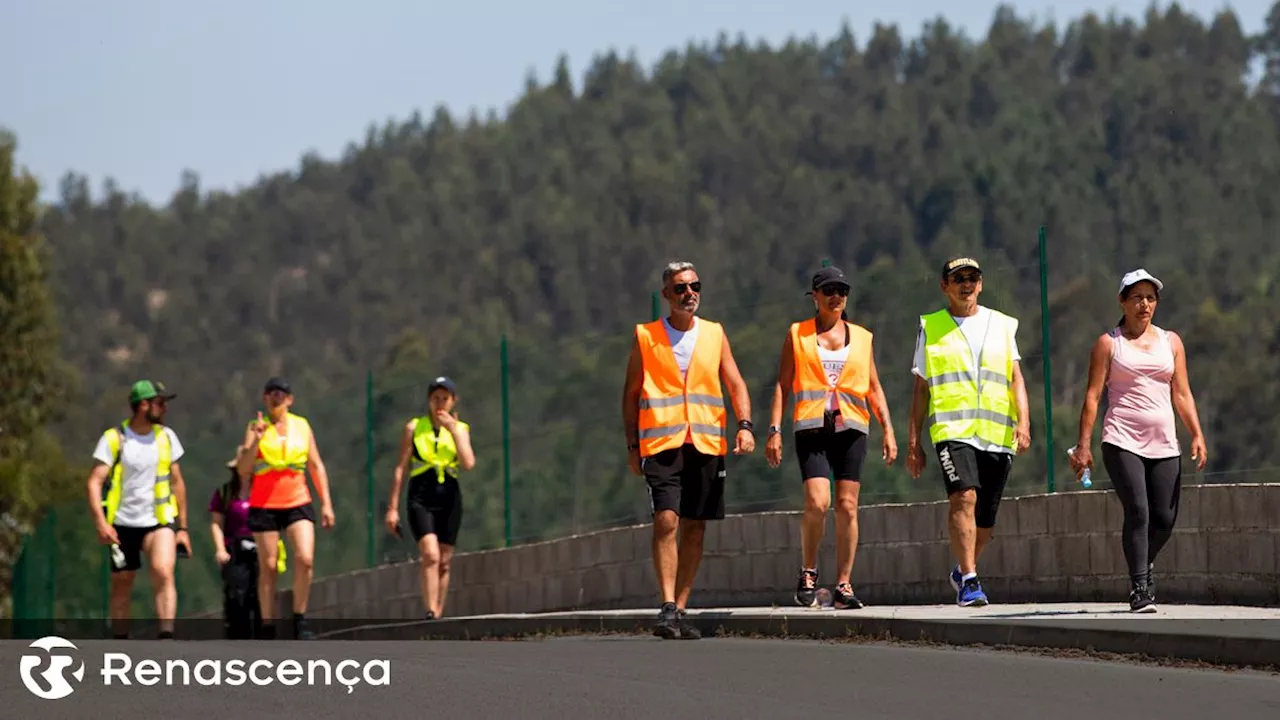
{"x":1132,"y":142}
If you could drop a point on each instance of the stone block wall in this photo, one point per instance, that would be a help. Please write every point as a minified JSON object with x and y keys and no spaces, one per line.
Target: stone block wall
{"x":1063,"y":547}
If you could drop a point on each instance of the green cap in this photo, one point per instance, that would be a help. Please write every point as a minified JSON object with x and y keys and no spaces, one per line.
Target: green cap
{"x":147,"y":389}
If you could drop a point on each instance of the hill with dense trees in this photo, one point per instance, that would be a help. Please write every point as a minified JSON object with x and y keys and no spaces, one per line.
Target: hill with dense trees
{"x":1133,"y":143}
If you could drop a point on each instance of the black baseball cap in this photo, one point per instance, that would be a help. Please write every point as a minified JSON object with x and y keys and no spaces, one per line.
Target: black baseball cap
{"x":830,"y":275}
{"x":960,"y":262}
{"x":278,"y":383}
{"x":442,"y":382}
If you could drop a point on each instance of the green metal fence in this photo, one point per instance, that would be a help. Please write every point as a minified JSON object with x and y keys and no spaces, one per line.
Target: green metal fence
{"x":541,"y":473}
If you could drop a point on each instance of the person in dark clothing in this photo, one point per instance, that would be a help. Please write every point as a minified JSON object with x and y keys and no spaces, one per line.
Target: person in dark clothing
{"x":237,"y":556}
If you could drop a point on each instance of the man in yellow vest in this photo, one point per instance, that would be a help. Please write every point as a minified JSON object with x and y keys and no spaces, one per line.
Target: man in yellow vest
{"x":673,"y":413}
{"x":138,"y":502}
{"x":969,"y":384}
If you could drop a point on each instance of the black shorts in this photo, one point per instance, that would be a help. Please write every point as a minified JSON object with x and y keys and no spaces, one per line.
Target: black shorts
{"x":129,"y":559}
{"x":825,"y":453}
{"x":435,"y":508}
{"x":964,"y":466}
{"x":262,"y":520}
{"x":686,"y":481}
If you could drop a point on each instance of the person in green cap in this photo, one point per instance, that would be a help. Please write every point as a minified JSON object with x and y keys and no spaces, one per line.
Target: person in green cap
{"x":138,"y":501}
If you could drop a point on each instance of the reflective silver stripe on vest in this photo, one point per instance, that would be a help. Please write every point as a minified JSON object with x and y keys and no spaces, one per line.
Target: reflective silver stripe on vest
{"x":704,"y":429}
{"x":264,"y":467}
{"x":658,"y":432}
{"x":694,"y":398}
{"x":966,"y":376}
{"x":971,"y":414}
{"x":850,"y":398}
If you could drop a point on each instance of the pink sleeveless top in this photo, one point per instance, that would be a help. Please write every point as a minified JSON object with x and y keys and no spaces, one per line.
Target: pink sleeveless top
{"x":1140,"y":415}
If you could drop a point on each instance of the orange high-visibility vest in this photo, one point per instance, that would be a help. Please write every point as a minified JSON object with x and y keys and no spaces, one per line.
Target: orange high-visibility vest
{"x":811,"y":387}
{"x":674,"y":408}
{"x":279,"y":475}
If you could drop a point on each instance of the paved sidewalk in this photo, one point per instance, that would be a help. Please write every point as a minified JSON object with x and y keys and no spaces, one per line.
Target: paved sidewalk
{"x":1248,"y":636}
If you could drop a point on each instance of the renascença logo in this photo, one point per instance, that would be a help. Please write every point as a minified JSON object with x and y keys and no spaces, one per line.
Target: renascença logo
{"x":120,"y":668}
{"x":55,"y":675}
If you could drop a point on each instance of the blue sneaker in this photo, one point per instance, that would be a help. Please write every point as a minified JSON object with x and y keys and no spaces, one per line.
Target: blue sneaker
{"x":970,"y":594}
{"x":956,"y":579}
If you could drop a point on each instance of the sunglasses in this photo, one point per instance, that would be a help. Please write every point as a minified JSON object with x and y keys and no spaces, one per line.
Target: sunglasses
{"x":966,"y":277}
{"x":680,"y":288}
{"x":833,"y":290}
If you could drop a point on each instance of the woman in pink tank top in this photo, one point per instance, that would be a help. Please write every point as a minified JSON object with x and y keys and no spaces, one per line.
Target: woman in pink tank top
{"x":1143,"y":369}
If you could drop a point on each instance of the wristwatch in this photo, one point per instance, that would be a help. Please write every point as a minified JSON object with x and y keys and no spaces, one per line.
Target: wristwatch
{"x":745,"y":425}
{"x":774,"y":430}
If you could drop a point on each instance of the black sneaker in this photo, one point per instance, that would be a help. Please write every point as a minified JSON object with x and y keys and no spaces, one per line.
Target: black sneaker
{"x":1140,"y":599}
{"x":687,"y":630}
{"x":301,"y":629}
{"x":845,"y":599}
{"x":430,"y":615}
{"x":807,"y":589}
{"x":667,"y":626}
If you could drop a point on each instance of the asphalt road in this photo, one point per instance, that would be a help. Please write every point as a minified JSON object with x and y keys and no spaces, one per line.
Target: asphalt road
{"x":642,"y":677}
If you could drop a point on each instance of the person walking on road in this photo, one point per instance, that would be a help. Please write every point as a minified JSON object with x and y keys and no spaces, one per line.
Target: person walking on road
{"x":674,"y":417}
{"x":138,"y":500}
{"x":277,"y":453}
{"x":828,"y":364}
{"x":236,"y":555}
{"x":969,"y":385}
{"x":1144,"y":370}
{"x":439,"y":446}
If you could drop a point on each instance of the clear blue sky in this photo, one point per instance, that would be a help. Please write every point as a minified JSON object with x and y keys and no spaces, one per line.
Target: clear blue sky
{"x":138,"y":90}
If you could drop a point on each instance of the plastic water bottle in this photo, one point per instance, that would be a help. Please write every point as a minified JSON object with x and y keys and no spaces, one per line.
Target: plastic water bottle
{"x":824,"y":598}
{"x":1085,"y":480}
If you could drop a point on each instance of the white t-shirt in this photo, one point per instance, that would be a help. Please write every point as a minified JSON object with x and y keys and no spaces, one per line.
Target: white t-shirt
{"x":139,"y":457}
{"x":682,"y":343}
{"x":974,"y":328}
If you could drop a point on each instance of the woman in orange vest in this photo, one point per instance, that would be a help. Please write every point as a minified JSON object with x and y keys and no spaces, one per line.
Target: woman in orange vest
{"x":277,"y":454}
{"x":827,"y":363}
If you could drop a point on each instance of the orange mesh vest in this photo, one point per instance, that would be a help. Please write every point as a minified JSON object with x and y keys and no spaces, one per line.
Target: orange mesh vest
{"x":812,"y":388}
{"x":279,"y":475}
{"x":675,"y":408}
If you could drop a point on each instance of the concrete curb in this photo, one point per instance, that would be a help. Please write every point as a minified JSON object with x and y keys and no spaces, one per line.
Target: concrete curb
{"x":1162,"y":639}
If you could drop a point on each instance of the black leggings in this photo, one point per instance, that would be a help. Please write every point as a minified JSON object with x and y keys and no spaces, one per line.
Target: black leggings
{"x":1148,"y":491}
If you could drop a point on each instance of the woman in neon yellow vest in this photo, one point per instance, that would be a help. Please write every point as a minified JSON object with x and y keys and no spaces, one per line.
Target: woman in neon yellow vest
{"x":439,"y":445}
{"x":277,"y":453}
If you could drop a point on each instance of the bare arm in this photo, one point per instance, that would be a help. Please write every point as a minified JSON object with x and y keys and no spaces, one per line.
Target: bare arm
{"x":248,"y":453}
{"x":215,"y":530}
{"x":462,"y":438}
{"x":402,"y":464}
{"x":631,"y":389}
{"x":880,"y":403}
{"x":782,"y":386}
{"x":1184,"y":402}
{"x":97,"y":476}
{"x":1099,"y":362}
{"x":1020,"y":398}
{"x":178,"y":486}
{"x":319,"y":475}
{"x":734,"y":382}
{"x":919,"y":405}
